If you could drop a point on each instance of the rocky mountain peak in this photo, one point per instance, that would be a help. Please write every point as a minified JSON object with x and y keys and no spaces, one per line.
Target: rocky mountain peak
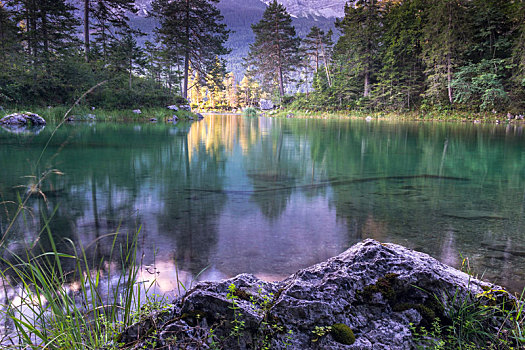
{"x":316,"y":8}
{"x":297,"y":8}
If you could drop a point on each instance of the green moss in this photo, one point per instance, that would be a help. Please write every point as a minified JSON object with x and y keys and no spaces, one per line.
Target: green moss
{"x":385,"y":286}
{"x":342,"y":334}
{"x":426,"y":312}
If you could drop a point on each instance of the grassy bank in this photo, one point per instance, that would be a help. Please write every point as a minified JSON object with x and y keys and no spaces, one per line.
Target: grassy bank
{"x":434,"y":115}
{"x":84,"y":113}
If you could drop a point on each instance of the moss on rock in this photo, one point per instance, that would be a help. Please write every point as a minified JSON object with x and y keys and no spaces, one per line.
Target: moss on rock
{"x":342,"y":334}
{"x":385,"y":286}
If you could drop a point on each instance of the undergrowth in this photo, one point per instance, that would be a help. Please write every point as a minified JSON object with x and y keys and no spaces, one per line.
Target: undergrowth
{"x":493,"y":320}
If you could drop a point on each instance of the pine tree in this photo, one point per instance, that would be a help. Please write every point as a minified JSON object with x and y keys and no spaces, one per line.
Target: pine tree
{"x":192,"y":31}
{"x":318,"y":46}
{"x":49,"y":28}
{"x":231,"y":91}
{"x":9,"y":51}
{"x":446,"y":33}
{"x":106,"y":19}
{"x":518,"y":54}
{"x":8,"y":34}
{"x":274,"y":55}
{"x":249,"y":90}
{"x":214,"y":83}
{"x":126,"y":57}
{"x":401,"y":78}
{"x":361,"y":29}
{"x":479,"y":81}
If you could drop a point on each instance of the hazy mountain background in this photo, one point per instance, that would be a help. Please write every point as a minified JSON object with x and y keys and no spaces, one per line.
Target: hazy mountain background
{"x":239,"y":15}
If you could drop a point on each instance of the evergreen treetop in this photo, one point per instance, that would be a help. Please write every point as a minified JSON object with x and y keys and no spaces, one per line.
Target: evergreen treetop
{"x":274,"y":55}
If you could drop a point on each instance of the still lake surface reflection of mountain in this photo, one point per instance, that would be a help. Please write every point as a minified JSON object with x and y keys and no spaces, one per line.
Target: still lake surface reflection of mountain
{"x":265,"y":196}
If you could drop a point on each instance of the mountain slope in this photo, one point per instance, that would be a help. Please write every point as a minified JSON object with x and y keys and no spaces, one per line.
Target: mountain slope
{"x":317,"y":8}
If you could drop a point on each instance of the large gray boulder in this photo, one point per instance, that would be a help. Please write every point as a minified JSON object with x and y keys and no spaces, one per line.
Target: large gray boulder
{"x":24,"y":118}
{"x":377,"y":290}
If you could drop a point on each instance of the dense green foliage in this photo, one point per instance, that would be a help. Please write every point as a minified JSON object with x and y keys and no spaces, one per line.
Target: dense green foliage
{"x":43,"y":62}
{"x":422,"y":54}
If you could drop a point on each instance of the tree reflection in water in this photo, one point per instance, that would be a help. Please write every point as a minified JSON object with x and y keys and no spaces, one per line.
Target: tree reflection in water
{"x":269,"y":196}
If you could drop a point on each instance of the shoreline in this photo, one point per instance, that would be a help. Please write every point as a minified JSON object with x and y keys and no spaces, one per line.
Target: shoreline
{"x":84,"y":113}
{"x":463,"y":117}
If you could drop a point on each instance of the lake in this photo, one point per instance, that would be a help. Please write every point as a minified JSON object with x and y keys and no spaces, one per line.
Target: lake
{"x":232,"y":194}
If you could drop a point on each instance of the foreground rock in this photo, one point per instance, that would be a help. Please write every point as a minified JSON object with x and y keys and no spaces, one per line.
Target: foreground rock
{"x":368,"y":295}
{"x":25,"y":118}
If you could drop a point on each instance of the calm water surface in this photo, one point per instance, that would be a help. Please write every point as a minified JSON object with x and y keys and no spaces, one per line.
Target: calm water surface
{"x":231,"y":194}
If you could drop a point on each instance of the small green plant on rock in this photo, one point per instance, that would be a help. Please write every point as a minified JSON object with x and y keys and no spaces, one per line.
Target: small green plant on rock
{"x":320,"y":331}
{"x":489,"y":320}
{"x":237,"y":323}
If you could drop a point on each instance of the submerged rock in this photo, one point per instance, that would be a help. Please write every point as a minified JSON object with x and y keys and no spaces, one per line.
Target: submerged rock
{"x":24,"y":118}
{"x":364,"y":298}
{"x":199,"y":116}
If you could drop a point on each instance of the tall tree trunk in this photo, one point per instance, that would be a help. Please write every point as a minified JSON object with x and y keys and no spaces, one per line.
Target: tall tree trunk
{"x":368,"y":51}
{"x":86,"y":29}
{"x":281,"y":84}
{"x":449,"y":57}
{"x":279,"y":64}
{"x":366,"y":92}
{"x":318,"y":45}
{"x":449,"y":79}
{"x":104,"y":44}
{"x":280,"y":73}
{"x":326,"y":69}
{"x":45,"y":37}
{"x":130,"y":71}
{"x":187,"y":51}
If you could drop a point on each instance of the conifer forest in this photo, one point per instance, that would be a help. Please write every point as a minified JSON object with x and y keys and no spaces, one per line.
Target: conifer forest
{"x":403,"y":55}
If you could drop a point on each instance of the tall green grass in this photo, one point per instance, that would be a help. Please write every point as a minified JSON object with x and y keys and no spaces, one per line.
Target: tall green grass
{"x":48,"y":314}
{"x":41,"y":307}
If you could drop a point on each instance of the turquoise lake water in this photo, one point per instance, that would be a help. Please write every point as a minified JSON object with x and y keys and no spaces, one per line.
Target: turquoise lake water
{"x":233,"y":194}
